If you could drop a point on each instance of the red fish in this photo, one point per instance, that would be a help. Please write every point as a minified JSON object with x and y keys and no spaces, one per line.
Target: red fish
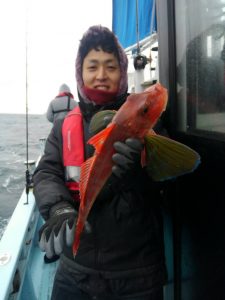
{"x":136,"y":118}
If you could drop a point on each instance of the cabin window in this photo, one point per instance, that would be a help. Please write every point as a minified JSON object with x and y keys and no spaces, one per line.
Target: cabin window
{"x":200,"y":54}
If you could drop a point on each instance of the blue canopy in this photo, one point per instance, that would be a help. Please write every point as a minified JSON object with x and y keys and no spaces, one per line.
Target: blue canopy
{"x":124,"y":21}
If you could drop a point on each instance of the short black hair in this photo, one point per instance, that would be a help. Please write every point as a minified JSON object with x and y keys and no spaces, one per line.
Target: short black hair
{"x":98,"y":37}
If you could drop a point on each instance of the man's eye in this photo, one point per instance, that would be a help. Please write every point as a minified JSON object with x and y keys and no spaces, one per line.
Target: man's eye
{"x":91,"y":68}
{"x":111,"y":68}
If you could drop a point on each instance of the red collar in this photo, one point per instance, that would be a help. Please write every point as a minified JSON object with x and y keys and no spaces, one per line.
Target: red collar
{"x":100,"y":97}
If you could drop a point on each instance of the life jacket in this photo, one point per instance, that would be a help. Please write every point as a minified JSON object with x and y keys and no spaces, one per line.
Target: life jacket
{"x":68,"y":106}
{"x":73,"y":149}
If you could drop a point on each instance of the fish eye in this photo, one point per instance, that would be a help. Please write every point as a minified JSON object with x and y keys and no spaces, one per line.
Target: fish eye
{"x":145,"y":110}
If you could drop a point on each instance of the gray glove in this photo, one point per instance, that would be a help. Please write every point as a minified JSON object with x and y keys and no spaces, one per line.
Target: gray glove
{"x":58,"y":230}
{"x":127,"y":156}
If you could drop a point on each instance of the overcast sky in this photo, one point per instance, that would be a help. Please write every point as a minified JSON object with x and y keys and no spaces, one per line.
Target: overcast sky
{"x":53,"y":28}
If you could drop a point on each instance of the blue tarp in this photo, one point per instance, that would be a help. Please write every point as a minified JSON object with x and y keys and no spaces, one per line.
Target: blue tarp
{"x":124,"y":23}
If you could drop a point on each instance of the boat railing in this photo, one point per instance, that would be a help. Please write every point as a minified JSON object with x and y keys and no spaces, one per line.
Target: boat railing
{"x":15,"y":245}
{"x":23,"y":273}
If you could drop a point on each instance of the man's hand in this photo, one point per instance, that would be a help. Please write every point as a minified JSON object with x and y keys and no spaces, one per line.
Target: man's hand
{"x":58,"y":230}
{"x":127,"y":156}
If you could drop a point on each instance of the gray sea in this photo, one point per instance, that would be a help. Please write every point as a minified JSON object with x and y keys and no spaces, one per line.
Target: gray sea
{"x":13,"y":151}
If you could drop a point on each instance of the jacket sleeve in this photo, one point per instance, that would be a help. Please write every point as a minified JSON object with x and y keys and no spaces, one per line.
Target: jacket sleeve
{"x":49,"y":183}
{"x":50,"y":114}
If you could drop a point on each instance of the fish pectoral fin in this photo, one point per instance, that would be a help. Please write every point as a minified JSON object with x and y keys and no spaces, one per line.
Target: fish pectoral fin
{"x":166,"y":158}
{"x":100,"y":120}
{"x":98,"y":140}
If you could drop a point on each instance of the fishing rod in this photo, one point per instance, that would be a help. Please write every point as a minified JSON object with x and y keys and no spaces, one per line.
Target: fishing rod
{"x":27,"y":173}
{"x":28,"y":163}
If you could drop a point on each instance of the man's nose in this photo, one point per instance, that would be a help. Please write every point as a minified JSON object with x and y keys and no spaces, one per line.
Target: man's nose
{"x":101,"y":74}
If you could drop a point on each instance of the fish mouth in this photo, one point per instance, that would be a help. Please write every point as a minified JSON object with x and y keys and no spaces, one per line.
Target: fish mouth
{"x":164,"y":93}
{"x":165,"y":99}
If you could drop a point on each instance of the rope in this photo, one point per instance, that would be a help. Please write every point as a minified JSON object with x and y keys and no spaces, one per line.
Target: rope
{"x":137,"y":28}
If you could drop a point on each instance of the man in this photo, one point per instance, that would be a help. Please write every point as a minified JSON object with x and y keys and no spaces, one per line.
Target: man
{"x":121,"y":252}
{"x":62,"y":104}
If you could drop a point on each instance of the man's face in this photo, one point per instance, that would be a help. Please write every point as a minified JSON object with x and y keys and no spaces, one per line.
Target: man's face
{"x":101,"y":71}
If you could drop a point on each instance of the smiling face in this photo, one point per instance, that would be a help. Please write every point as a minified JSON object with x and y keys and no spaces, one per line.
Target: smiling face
{"x":101,"y":71}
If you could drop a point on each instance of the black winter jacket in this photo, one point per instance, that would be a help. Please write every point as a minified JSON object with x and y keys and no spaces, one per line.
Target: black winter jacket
{"x":127,"y":237}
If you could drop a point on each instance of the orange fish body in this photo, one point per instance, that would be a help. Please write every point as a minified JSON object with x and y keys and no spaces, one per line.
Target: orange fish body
{"x":134,"y":119}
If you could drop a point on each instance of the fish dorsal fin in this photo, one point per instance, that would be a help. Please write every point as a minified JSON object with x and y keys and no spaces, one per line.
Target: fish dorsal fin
{"x":168,"y":159}
{"x":100,"y":120}
{"x":98,"y":140}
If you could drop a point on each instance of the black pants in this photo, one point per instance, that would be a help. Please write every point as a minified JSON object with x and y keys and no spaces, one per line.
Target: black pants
{"x":78,"y":286}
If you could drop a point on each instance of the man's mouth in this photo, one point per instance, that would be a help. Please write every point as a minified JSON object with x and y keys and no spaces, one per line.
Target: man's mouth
{"x":102,"y":87}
